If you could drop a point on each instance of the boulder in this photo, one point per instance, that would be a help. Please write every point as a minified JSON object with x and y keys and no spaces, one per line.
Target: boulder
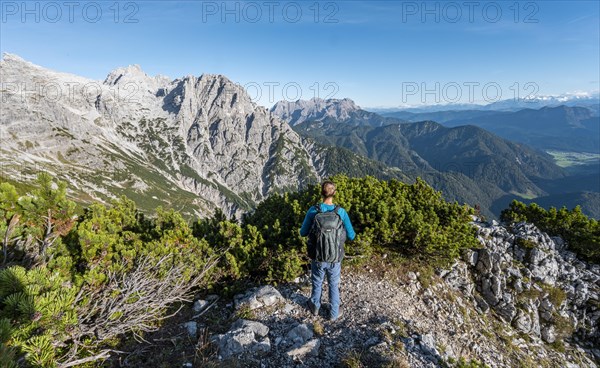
{"x":311,"y":348}
{"x":482,"y":304}
{"x":412,"y":277}
{"x":299,"y":334}
{"x":522,"y":321}
{"x":491,"y":289}
{"x":255,"y":298}
{"x":546,"y":308}
{"x":484,"y":261}
{"x":518,"y":286}
{"x":470,"y":257}
{"x":581,"y":292}
{"x":545,"y":271}
{"x":427,"y":343}
{"x":507,"y":311}
{"x":199,"y":305}
{"x":191,"y":328}
{"x":548,"y":334}
{"x":244,"y":336}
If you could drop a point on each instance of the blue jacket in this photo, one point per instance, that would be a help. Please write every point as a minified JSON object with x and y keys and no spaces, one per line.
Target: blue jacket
{"x":310,"y":216}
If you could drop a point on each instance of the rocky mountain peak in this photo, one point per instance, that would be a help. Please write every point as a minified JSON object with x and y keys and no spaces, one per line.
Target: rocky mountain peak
{"x":129,"y":72}
{"x":34,"y":79}
{"x":134,"y":77}
{"x":227,"y":92}
{"x":13,"y":64}
{"x":296,"y":112}
{"x":212,"y":97}
{"x":12,"y":58}
{"x":199,"y":139}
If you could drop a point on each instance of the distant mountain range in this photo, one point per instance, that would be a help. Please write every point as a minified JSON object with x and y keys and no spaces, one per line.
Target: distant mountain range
{"x":466,"y":162}
{"x":567,"y":128}
{"x":587,"y":99}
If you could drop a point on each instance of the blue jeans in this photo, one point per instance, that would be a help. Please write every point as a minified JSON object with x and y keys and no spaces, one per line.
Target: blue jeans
{"x":318,"y":272}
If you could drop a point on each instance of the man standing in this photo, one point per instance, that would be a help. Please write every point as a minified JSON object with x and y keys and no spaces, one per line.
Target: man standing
{"x":327,"y":227}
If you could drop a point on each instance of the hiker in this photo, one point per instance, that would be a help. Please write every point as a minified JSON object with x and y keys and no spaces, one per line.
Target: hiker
{"x":327,"y":227}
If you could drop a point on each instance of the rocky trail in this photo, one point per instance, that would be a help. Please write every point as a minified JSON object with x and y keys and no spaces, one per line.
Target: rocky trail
{"x":520,"y":301}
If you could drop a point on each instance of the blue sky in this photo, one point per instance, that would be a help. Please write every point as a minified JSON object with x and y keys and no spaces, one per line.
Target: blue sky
{"x":378,"y":53}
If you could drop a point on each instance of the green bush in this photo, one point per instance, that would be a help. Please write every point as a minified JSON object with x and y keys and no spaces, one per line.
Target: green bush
{"x":69,"y":286}
{"x":412,"y":220}
{"x":581,"y":233}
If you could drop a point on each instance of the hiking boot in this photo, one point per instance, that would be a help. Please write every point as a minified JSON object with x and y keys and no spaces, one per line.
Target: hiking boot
{"x":340,"y":313}
{"x":312,"y":308}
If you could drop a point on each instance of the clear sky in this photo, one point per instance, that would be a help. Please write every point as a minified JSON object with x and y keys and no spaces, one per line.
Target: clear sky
{"x":387,"y":53}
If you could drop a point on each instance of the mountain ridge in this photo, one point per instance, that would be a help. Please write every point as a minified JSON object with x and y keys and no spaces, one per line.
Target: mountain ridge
{"x":317,"y":109}
{"x":569,"y":128}
{"x":197,"y":142}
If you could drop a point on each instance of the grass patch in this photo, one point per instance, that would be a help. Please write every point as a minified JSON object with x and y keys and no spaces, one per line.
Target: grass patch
{"x":562,"y":324}
{"x":401,"y":329}
{"x":525,"y":243}
{"x":426,"y":275}
{"x":464,"y":363}
{"x":527,"y":295}
{"x":528,"y":195}
{"x":568,"y":159}
{"x":244,"y":312}
{"x":353,"y":360}
{"x":556,"y":295}
{"x":390,"y":265}
{"x":559,"y":346}
{"x":318,"y":328}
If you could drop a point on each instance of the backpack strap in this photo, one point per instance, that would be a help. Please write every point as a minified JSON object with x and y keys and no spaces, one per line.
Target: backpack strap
{"x":335,"y":210}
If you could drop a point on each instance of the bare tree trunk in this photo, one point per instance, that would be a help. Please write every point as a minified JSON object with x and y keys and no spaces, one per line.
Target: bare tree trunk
{"x":9,"y":230}
{"x":47,"y":236}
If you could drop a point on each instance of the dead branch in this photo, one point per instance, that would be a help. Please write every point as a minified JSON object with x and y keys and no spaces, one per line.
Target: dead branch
{"x":103,"y":355}
{"x":135,"y":301}
{"x":131,"y":301}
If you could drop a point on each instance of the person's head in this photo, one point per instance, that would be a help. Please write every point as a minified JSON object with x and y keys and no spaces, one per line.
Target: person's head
{"x":327,"y":189}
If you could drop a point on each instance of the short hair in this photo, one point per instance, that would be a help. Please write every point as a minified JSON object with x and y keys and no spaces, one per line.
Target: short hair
{"x":327,"y":189}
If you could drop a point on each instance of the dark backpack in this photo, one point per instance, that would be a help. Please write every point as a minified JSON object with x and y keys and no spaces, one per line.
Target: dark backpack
{"x":327,"y":236}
